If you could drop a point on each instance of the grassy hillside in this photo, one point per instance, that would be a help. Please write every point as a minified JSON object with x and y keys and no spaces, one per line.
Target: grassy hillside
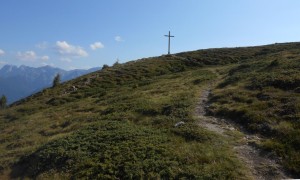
{"x":262,"y":95}
{"x":119,"y":122}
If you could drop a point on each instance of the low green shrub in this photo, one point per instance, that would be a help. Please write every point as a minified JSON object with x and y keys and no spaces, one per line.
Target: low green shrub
{"x":190,"y":132}
{"x":112,"y":149}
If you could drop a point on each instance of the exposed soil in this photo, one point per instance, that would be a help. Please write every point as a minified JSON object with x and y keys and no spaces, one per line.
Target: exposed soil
{"x":259,"y":163}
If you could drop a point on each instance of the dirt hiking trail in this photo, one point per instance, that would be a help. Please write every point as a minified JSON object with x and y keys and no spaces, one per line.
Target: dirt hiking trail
{"x":259,"y":163}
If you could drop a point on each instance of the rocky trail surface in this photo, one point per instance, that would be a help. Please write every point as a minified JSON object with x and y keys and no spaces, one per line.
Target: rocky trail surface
{"x":259,"y":163}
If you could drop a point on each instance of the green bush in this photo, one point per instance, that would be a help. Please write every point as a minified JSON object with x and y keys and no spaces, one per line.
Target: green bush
{"x":190,"y":132}
{"x":112,"y":149}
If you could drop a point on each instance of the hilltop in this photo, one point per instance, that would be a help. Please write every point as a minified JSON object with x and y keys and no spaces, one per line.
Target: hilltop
{"x":123,"y":121}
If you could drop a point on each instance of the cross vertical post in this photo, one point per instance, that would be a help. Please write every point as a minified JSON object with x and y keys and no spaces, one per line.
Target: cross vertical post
{"x":169,"y":46}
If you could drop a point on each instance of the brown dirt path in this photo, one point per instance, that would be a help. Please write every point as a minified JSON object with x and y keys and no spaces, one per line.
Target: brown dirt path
{"x":260,"y":165}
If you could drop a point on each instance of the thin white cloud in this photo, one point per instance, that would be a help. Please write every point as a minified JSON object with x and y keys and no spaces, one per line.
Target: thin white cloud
{"x":119,"y":39}
{"x":66,"y":49}
{"x":2,"y":62}
{"x":2,"y":52}
{"x":65,"y":59}
{"x":45,"y":58}
{"x":96,"y":45}
{"x":84,"y":67}
{"x":46,"y":64}
{"x":31,"y":56}
{"x":72,"y":68}
{"x":27,"y":56}
{"x":43,"y":45}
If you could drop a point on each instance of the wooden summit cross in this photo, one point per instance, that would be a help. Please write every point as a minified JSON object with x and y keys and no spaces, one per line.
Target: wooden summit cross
{"x":169,"y":36}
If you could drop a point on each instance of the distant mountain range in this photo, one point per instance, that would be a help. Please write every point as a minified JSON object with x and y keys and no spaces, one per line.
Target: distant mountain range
{"x":19,"y":82}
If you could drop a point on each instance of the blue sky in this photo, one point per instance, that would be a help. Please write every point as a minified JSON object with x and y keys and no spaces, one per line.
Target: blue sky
{"x":82,"y":34}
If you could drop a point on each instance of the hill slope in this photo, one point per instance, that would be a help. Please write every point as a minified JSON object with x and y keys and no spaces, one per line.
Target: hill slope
{"x":120,"y":121}
{"x":262,"y":95}
{"x":19,"y":82}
